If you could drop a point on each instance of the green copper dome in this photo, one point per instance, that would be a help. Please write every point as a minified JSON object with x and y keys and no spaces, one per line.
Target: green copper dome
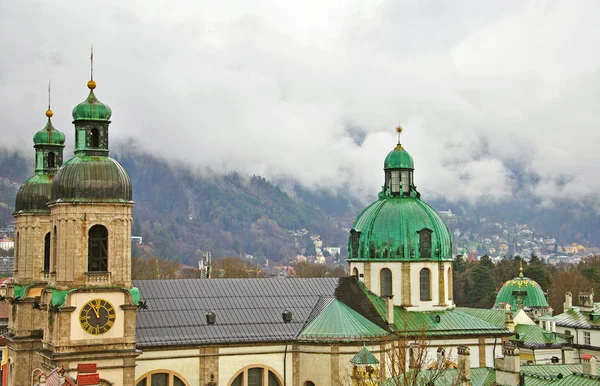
{"x":34,"y":194}
{"x":92,"y":109}
{"x":91,"y":179}
{"x":521,"y":292}
{"x":399,"y":228}
{"x":398,"y":159}
{"x":49,"y":135}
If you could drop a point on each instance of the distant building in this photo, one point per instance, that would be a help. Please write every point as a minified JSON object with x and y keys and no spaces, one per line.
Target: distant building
{"x":7,"y":244}
{"x":333,"y":250}
{"x":136,"y":240}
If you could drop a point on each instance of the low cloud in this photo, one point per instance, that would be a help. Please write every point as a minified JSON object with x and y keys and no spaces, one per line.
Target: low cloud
{"x":314,"y":90}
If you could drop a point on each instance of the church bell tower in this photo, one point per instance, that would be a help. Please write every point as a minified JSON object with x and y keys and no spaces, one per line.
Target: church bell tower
{"x":33,"y":224}
{"x":90,"y":303}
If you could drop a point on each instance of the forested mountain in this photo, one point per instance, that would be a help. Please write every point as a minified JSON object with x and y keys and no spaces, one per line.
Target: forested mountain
{"x":180,"y":213}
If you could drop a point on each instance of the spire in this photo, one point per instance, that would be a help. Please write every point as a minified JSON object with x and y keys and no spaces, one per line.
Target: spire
{"x":521,"y":268}
{"x":399,"y":131}
{"x":91,"y":84}
{"x":49,"y":112}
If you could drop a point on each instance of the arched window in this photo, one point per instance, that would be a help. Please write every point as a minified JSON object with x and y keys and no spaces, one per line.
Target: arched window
{"x":53,"y":256}
{"x":425,"y":243}
{"x":98,"y":249}
{"x":17,"y":250}
{"x":309,"y":383}
{"x":51,"y":160}
{"x":385,"y":282}
{"x":94,"y":138}
{"x":355,"y":271}
{"x":162,"y":378}
{"x":450,"y":284}
{"x":425,"y":284}
{"x":256,"y":376}
{"x":47,"y":253}
{"x":354,"y":237}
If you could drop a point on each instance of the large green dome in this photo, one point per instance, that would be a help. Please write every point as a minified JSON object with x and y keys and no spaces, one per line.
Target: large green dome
{"x":34,"y":194}
{"x":521,"y":292}
{"x":91,"y":179}
{"x":398,"y":159}
{"x":391,"y":228}
{"x":92,"y":109}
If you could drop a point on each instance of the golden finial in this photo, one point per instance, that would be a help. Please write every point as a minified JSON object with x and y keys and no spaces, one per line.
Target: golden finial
{"x":399,"y":131}
{"x":521,"y":268}
{"x":91,"y":84}
{"x":49,"y":112}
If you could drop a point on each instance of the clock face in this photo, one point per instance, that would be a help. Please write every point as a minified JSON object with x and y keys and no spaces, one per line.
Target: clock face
{"x":97,"y":316}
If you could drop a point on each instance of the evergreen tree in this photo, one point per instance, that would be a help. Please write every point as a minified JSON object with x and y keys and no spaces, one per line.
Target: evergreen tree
{"x":482,"y":291}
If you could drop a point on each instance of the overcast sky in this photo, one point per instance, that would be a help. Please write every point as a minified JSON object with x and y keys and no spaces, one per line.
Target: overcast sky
{"x":314,"y":89}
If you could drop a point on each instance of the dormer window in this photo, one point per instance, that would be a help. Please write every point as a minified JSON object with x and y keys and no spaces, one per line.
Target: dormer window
{"x":425,"y":243}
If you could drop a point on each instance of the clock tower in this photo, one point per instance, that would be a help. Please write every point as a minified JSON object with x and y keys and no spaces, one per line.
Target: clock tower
{"x":90,"y":303}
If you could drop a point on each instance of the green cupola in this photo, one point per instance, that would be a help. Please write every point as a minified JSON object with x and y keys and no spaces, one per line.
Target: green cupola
{"x":35,"y":193}
{"x":91,"y":109}
{"x":398,"y":167}
{"x":91,"y":176}
{"x":399,"y":225}
{"x":521,"y":292}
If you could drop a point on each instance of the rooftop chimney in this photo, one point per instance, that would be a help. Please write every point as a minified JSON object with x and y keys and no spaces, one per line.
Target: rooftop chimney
{"x":568,"y":355}
{"x":568,"y":304}
{"x":586,"y":301}
{"x":509,"y":367}
{"x":589,"y":364}
{"x":389,"y":306}
{"x":464,"y":365}
{"x":509,"y":321}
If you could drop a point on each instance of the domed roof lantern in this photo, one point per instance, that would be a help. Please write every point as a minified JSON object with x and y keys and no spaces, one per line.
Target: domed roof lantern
{"x":398,"y":167}
{"x":91,"y":109}
{"x":49,"y":135}
{"x":35,"y":193}
{"x":91,"y":176}
{"x":399,"y":225}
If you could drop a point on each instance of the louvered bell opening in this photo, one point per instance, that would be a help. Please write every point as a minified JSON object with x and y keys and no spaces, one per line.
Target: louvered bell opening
{"x":211,"y":318}
{"x":287,"y":316}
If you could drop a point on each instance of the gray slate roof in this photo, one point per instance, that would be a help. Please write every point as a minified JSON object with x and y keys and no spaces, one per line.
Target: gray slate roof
{"x":247,"y":310}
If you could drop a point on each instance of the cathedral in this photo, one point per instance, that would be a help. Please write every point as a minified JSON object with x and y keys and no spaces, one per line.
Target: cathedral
{"x":73,"y":300}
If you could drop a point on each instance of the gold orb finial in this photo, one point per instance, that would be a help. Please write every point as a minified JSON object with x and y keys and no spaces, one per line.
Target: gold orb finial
{"x":49,"y":113}
{"x":91,"y":84}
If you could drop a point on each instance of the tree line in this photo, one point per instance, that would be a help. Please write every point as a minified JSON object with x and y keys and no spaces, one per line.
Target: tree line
{"x":477,"y":283}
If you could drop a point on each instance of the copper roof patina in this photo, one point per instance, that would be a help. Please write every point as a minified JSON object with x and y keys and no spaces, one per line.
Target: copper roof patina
{"x":91,"y":176}
{"x":521,"y":292}
{"x":91,"y":179}
{"x":389,"y":229}
{"x":34,"y":194}
{"x":91,"y":109}
{"x":393,"y":227}
{"x":364,"y":357}
{"x":338,"y":322}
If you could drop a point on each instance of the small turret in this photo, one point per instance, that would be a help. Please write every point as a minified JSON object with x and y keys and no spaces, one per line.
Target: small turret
{"x":365,"y":368}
